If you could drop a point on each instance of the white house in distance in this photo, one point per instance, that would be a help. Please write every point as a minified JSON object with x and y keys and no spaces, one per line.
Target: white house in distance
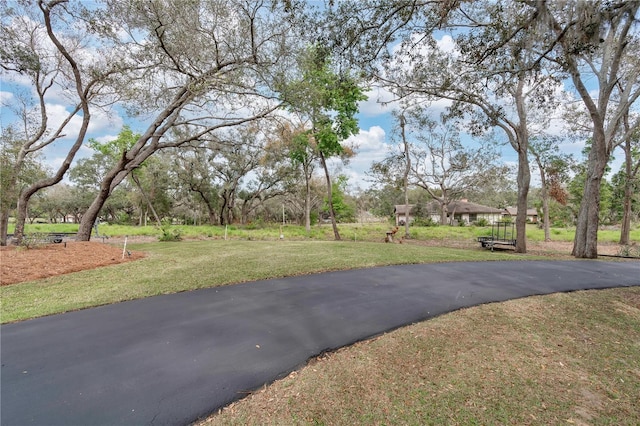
{"x":457,"y":212}
{"x":512,"y":212}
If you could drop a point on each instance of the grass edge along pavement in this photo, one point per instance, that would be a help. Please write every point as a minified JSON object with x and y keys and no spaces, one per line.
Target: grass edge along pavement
{"x":189,"y":265}
{"x":564,"y":358}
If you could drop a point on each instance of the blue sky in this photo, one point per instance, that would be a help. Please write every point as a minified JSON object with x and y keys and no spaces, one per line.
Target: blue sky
{"x":373,"y":141}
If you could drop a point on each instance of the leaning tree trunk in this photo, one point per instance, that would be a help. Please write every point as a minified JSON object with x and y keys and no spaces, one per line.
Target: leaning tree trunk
{"x":90,"y":216}
{"x":108,"y":184}
{"x":81,"y":90}
{"x":332,"y":212}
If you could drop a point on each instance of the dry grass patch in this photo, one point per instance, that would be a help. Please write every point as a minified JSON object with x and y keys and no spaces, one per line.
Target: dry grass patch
{"x":558,"y":359}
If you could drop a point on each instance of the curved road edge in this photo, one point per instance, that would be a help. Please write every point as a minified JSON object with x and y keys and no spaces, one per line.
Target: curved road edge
{"x":175,"y":358}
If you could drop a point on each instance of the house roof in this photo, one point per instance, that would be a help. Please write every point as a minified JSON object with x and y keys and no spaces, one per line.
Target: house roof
{"x":467,"y":207}
{"x":513,"y":211}
{"x":400,"y":208}
{"x":460,"y":207}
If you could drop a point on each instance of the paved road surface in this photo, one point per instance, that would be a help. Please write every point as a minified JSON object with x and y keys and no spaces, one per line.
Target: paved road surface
{"x":168,"y":360}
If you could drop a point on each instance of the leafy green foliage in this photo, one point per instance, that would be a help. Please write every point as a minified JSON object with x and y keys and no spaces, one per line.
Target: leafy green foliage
{"x":118,"y":146}
{"x":327,"y":99}
{"x":345,"y":211}
{"x":170,"y":234}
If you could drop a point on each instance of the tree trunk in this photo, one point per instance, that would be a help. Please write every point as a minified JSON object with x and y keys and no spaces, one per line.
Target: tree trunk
{"x":21,"y":215}
{"x":90,"y":216}
{"x":524,"y":178}
{"x":212,"y":216}
{"x":211,"y":211}
{"x":524,"y":173}
{"x":26,"y":195}
{"x":8,"y":198}
{"x":223,"y":209}
{"x":625,"y":228}
{"x":230,"y":206}
{"x":585,"y":243}
{"x":307,"y":204}
{"x":544,"y":193}
{"x":443,"y":214}
{"x":332,"y":212}
{"x":4,"y":225}
{"x":545,"y":214}
{"x":407,"y":170}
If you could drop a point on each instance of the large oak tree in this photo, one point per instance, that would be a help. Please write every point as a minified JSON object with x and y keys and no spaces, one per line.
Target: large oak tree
{"x":201,"y":66}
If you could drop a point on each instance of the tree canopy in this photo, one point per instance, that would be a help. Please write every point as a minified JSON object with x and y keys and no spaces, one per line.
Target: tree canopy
{"x":233,"y":105}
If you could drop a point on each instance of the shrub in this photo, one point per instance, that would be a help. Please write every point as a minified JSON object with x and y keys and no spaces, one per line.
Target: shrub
{"x":170,"y":234}
{"x":424,"y":221}
{"x":481,"y":222}
{"x":629,"y":251}
{"x":34,"y":240}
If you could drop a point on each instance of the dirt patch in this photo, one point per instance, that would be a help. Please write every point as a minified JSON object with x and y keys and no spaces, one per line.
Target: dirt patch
{"x":550,"y":248}
{"x":18,"y":264}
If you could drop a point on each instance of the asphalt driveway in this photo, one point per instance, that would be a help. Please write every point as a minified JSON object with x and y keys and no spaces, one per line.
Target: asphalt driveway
{"x":168,"y":360}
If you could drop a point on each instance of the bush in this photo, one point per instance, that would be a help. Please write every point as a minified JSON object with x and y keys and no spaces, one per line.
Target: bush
{"x":34,"y":240}
{"x":481,"y":222}
{"x":424,"y":221}
{"x":629,"y":251}
{"x":256,"y":224}
{"x":170,"y":234}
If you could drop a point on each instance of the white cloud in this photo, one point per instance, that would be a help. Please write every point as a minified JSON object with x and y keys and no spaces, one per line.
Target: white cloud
{"x":379,"y":102}
{"x":6,"y":97}
{"x":447,"y":44}
{"x":371,"y":146}
{"x":100,"y":121}
{"x":106,"y":138}
{"x":369,"y":140}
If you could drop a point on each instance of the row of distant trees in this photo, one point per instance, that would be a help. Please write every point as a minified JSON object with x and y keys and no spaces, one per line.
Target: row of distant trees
{"x":207,"y":77}
{"x":220,"y":81}
{"x":198,"y":186}
{"x":234,"y":192}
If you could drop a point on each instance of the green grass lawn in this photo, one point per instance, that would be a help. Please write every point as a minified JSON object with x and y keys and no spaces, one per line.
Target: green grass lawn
{"x":249,"y":253}
{"x":349,"y":231}
{"x":188,"y":265}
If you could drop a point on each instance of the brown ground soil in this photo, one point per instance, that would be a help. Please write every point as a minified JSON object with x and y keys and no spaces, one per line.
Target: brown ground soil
{"x":19,"y":264}
{"x":554,"y":249}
